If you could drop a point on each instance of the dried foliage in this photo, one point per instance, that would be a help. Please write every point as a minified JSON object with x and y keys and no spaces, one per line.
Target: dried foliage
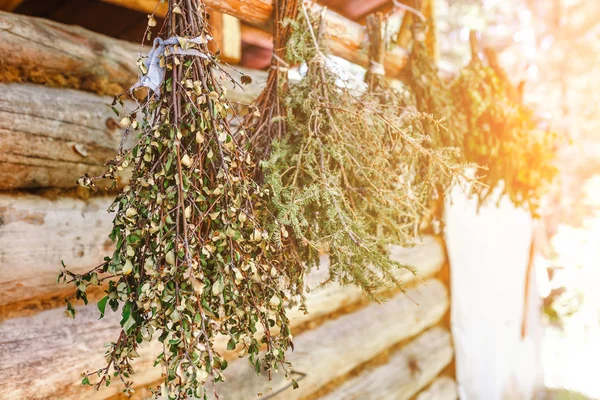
{"x":502,"y":135}
{"x":268,"y":122}
{"x":431,"y":95}
{"x":352,"y":175}
{"x":218,"y":226}
{"x":195,"y":257}
{"x":486,"y":119}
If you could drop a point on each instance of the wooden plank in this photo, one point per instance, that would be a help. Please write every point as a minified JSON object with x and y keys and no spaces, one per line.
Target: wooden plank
{"x":408,"y":370}
{"x":443,"y":388}
{"x":36,"y":233}
{"x":338,"y":346}
{"x":42,"y":356}
{"x":345,"y":37}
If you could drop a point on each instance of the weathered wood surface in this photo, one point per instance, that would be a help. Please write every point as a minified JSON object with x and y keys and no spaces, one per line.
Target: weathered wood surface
{"x":49,"y":137}
{"x":43,"y":51}
{"x":42,"y":356}
{"x":37,"y":232}
{"x":345,"y":37}
{"x":443,"y":388}
{"x":409,"y":370}
{"x":338,"y":346}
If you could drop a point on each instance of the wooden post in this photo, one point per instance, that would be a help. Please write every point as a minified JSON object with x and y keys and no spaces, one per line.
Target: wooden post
{"x":431,"y":38}
{"x":226,"y":30}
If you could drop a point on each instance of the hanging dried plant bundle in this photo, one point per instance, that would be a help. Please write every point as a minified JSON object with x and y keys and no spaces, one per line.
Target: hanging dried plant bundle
{"x":502,"y":135}
{"x":431,"y":95}
{"x":343,"y":176}
{"x":485,"y":118}
{"x":417,"y":173}
{"x":194,"y":255}
{"x":268,"y":122}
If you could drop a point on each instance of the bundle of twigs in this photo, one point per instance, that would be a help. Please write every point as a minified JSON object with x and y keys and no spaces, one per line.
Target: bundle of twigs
{"x":268,"y":123}
{"x":194,"y":254}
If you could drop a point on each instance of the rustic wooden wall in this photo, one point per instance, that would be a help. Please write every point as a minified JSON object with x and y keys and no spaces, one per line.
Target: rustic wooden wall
{"x":54,"y":126}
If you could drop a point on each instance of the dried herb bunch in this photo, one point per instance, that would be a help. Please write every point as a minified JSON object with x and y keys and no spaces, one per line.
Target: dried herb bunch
{"x":502,"y":135}
{"x":194,"y":257}
{"x":431,"y":95}
{"x":485,"y":118}
{"x":428,"y":170}
{"x":268,"y":123}
{"x":343,"y":177}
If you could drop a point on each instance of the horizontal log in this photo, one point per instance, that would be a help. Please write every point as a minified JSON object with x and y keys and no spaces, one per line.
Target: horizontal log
{"x":43,"y":51}
{"x":427,"y":257}
{"x":36,"y":233}
{"x":345,"y":37}
{"x":42,"y":356}
{"x":443,"y":388}
{"x":50,"y":137}
{"x":409,"y":370}
{"x":335,"y":348}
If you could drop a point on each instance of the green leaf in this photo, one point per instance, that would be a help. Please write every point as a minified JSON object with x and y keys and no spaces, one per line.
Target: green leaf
{"x":132,"y":238}
{"x":102,"y":306}
{"x":129,"y":323}
{"x":126,"y":313}
{"x":86,"y":381}
{"x":231,"y":344}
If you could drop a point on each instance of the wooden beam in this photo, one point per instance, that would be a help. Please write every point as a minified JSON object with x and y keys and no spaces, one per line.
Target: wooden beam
{"x":431,"y":38}
{"x":42,"y":356}
{"x":346,"y":38}
{"x":9,"y":5}
{"x":37,"y":233}
{"x":357,"y":9}
{"x":408,"y":370}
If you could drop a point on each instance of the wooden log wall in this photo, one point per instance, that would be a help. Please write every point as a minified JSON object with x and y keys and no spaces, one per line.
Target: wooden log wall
{"x":345,"y":347}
